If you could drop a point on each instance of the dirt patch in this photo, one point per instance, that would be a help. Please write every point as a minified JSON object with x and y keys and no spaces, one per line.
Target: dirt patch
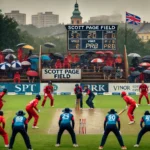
{"x":94,"y":121}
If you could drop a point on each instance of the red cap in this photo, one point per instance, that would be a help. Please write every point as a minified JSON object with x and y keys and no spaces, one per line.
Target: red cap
{"x":123,"y":93}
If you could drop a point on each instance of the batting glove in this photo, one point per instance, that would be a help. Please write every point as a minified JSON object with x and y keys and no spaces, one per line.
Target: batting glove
{"x":39,"y":111}
{"x":45,"y":94}
{"x":137,"y":105}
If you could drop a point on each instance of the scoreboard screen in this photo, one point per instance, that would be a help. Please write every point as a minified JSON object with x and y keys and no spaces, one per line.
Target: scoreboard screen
{"x":92,"y":37}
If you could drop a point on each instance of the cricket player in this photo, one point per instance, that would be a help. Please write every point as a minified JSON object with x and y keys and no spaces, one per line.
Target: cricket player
{"x":1,"y":96}
{"x":30,"y":108}
{"x":3,"y":133}
{"x":48,"y":90}
{"x":19,"y":125}
{"x":146,"y":120}
{"x":131,"y":105}
{"x":78,"y":93}
{"x":91,"y":97}
{"x":64,"y":124}
{"x":143,"y":88}
{"x":110,"y":126}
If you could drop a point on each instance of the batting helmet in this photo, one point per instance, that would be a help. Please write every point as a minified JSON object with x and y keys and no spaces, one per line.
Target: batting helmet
{"x":5,"y":90}
{"x":38,"y":97}
{"x":123,"y":93}
{"x":76,"y":84}
{"x":49,"y":82}
{"x":1,"y":113}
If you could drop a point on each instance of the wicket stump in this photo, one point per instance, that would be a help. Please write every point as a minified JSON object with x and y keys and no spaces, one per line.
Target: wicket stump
{"x":82,"y":126}
{"x":78,"y":104}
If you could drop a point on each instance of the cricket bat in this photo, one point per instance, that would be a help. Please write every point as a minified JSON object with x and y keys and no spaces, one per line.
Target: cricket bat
{"x":122,"y":111}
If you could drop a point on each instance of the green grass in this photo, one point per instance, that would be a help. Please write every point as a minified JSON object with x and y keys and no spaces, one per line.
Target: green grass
{"x":41,"y":140}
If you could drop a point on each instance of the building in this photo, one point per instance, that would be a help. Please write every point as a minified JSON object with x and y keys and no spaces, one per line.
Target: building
{"x":104,"y":18}
{"x":76,"y":18}
{"x":144,"y":32}
{"x":19,"y":17}
{"x":45,"y":20}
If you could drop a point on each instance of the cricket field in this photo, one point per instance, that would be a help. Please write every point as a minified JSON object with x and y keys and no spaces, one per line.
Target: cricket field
{"x":44,"y":138}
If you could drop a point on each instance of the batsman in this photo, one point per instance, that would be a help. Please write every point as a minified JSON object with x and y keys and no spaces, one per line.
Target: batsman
{"x":110,"y":126}
{"x":79,"y":96}
{"x":91,"y":97}
{"x":131,"y":105}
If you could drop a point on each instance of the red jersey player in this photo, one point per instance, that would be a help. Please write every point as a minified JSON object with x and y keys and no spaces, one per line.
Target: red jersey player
{"x":1,"y":95}
{"x":2,"y":131}
{"x":31,"y":112}
{"x":143,"y":88}
{"x":48,"y":90}
{"x":131,"y":105}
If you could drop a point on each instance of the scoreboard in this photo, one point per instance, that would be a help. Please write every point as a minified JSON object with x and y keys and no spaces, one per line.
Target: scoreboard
{"x":92,"y":37}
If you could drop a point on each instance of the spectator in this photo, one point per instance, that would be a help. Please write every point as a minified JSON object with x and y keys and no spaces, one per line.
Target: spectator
{"x":76,"y":59}
{"x":84,"y":62}
{"x":119,"y":73}
{"x":97,"y":67}
{"x":118,"y":62}
{"x":17,"y":77}
{"x":109,"y":61}
{"x":141,"y":77}
{"x":69,"y":57}
{"x":20,"y":53}
{"x":31,"y":79}
{"x":58,"y":64}
{"x":66,"y":63}
{"x":107,"y":74}
{"x":30,"y":53}
{"x":1,"y":57}
{"x":135,"y":62}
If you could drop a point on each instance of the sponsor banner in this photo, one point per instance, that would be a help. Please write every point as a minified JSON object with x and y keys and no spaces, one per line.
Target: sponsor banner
{"x":97,"y":88}
{"x":60,"y":88}
{"x":61,"y":73}
{"x":128,"y":87}
{"x":22,"y":88}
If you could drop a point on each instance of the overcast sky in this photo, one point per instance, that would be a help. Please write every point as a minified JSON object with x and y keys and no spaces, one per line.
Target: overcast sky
{"x":88,"y":8}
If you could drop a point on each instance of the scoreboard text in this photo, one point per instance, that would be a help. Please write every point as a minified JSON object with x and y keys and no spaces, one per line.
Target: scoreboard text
{"x":92,"y":37}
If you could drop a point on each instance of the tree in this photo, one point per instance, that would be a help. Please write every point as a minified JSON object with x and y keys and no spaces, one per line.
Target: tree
{"x":134,"y":43}
{"x":9,"y":33}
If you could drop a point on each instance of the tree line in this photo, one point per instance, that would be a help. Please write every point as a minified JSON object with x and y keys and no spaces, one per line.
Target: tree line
{"x":11,"y":34}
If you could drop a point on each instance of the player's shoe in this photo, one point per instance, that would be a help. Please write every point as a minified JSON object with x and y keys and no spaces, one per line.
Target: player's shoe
{"x":57,"y":145}
{"x":6,"y":145}
{"x":136,"y":145}
{"x":35,"y":127}
{"x":131,"y":122}
{"x":30,"y":149}
{"x":53,"y":106}
{"x":148,"y":104}
{"x":75,"y":145}
{"x":123,"y":147}
{"x":101,"y":147}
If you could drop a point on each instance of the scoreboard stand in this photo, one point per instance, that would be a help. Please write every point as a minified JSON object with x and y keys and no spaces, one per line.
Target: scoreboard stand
{"x":83,"y":38}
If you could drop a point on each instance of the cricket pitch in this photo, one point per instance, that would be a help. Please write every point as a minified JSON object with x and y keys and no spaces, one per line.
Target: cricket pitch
{"x":94,"y":121}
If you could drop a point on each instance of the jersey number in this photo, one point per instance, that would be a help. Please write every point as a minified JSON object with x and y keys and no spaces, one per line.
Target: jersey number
{"x":111,"y":117}
{"x":147,"y":118}
{"x":19,"y":119}
{"x":65,"y":116}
